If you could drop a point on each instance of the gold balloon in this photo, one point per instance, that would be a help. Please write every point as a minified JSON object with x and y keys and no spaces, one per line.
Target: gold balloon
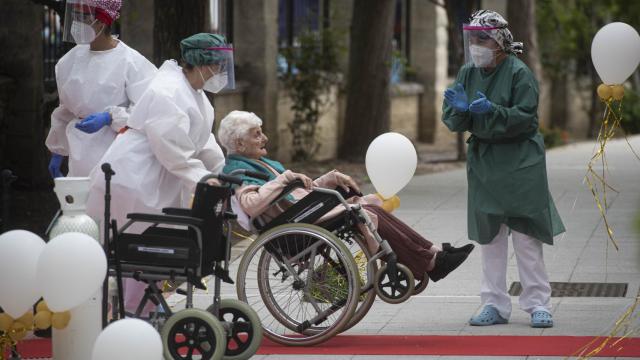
{"x":42,"y":319}
{"x":5,"y":322}
{"x":396,"y":201}
{"x":26,"y":319}
{"x":60,"y":320}
{"x":604,"y":92}
{"x":617,"y":92}
{"x":18,"y":331}
{"x":387,"y":205}
{"x":42,"y":306}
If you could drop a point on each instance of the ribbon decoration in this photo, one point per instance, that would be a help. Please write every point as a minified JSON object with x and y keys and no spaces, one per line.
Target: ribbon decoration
{"x":612,"y":97}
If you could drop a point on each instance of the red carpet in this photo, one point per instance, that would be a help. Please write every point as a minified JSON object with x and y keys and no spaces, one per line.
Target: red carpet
{"x":427,"y":345}
{"x":459,"y":345}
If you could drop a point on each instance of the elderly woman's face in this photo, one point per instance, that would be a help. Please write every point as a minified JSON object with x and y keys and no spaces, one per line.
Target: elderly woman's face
{"x":253,"y":144}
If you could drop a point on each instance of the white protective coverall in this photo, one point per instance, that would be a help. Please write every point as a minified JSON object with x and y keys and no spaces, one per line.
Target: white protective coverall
{"x":157,"y":162}
{"x":95,"y":81}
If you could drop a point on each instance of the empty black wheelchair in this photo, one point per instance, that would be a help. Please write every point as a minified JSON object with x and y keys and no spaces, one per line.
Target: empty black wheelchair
{"x":183,"y":246}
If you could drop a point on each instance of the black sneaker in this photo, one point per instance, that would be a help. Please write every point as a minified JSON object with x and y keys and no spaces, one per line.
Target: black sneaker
{"x":463,"y":249}
{"x":446,"y":262}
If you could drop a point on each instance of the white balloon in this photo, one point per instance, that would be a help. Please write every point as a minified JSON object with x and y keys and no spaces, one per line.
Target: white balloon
{"x":70,"y":270}
{"x":391,"y":161}
{"x":615,"y":52}
{"x":128,"y":339}
{"x":19,"y":253}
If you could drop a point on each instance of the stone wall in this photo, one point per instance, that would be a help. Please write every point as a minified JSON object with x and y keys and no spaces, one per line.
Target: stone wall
{"x":227,"y":101}
{"x":405,"y":108}
{"x":256,"y":50}
{"x":326,"y":130}
{"x":405,"y":104}
{"x":429,"y":59}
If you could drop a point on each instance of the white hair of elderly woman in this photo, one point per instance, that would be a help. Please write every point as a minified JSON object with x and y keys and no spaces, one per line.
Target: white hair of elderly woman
{"x":235,"y":126}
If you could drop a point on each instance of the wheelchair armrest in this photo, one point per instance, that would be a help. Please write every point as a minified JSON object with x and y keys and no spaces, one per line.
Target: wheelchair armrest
{"x":166,"y":219}
{"x":258,"y":223}
{"x":176,"y":211}
{"x":351,"y":193}
{"x":288,"y":189}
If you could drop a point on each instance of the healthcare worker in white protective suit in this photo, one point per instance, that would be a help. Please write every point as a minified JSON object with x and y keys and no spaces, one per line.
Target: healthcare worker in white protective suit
{"x":168,"y":145}
{"x":99,"y":80}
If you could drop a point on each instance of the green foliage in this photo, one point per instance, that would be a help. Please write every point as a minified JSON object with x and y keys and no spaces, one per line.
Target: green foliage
{"x":566,"y":29}
{"x":631,"y":112}
{"x":313,"y":71}
{"x":554,"y":137}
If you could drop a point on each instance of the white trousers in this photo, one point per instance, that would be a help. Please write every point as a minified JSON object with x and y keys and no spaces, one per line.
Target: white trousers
{"x":536,"y":290}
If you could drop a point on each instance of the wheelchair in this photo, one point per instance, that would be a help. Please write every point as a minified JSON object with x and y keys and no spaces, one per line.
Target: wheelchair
{"x":309,"y":281}
{"x":184,"y":246}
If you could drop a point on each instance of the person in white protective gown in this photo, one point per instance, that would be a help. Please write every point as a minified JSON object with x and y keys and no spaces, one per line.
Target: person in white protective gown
{"x":168,"y":145}
{"x":99,"y":81}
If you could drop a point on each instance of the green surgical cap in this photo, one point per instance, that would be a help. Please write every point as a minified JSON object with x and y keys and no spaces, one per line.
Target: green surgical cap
{"x":194,"y":48}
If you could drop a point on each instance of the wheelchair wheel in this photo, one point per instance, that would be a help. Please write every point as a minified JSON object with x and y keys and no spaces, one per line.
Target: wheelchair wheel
{"x":390,"y":293}
{"x":420,"y":285}
{"x":193,"y":332}
{"x":361,"y":255}
{"x":302,"y":282}
{"x":242,"y":326}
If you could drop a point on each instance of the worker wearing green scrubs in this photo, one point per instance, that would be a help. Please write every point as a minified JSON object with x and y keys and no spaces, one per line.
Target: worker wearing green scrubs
{"x":495,"y":98}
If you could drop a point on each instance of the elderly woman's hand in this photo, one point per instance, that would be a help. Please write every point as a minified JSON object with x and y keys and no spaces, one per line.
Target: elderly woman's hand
{"x":288,"y":176}
{"x":308,"y":182}
{"x":346,"y":182}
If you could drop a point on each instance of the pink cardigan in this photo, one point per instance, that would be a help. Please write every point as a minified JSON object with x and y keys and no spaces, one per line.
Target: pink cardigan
{"x":254,"y":200}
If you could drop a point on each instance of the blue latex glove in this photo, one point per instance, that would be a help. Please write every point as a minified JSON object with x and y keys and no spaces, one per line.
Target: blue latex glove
{"x":54,"y":165}
{"x":457,"y":98}
{"x":481,"y":105}
{"x":94,"y":122}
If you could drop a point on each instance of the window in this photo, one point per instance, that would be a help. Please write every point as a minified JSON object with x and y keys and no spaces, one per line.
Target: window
{"x":401,"y":41}
{"x":295,"y":16}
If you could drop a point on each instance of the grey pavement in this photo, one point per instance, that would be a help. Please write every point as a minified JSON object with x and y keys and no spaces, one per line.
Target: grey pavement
{"x":435,"y":206}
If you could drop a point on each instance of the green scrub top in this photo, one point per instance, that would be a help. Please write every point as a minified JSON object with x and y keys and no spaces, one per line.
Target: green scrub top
{"x":506,"y":167}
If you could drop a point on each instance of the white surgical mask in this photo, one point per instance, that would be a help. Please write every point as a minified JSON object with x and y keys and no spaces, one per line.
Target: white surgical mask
{"x":481,"y":56}
{"x":215,"y":83}
{"x":82,"y":33}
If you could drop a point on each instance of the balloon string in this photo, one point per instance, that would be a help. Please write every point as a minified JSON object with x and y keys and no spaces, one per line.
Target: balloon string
{"x":6,"y":344}
{"x":598,"y":183}
{"x":625,"y":321}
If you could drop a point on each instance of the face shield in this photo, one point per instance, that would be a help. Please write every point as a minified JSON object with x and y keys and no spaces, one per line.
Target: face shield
{"x":480,"y":47}
{"x":223,"y":70}
{"x":80,"y":22}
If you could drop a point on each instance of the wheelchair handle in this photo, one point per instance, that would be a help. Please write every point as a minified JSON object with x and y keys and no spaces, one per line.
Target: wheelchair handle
{"x":106,"y":169}
{"x":253,"y":174}
{"x":222,"y":177}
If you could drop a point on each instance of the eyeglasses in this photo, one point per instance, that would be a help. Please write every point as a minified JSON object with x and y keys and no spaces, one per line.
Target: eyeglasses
{"x":481,"y":35}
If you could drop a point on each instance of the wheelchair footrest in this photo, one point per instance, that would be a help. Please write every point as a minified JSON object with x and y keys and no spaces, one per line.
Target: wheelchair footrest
{"x":223,"y":275}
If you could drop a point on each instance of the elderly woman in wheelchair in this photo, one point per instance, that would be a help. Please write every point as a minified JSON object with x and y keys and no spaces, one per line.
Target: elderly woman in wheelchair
{"x":311,"y":271}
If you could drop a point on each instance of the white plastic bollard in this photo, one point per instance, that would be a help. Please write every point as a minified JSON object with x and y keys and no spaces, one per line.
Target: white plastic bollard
{"x":75,"y":342}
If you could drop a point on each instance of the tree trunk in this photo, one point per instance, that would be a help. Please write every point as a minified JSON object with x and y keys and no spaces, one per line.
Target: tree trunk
{"x":368,"y":109}
{"x":458,"y":12}
{"x":521,"y":15}
{"x":559,"y":105}
{"x":174,"y":21}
